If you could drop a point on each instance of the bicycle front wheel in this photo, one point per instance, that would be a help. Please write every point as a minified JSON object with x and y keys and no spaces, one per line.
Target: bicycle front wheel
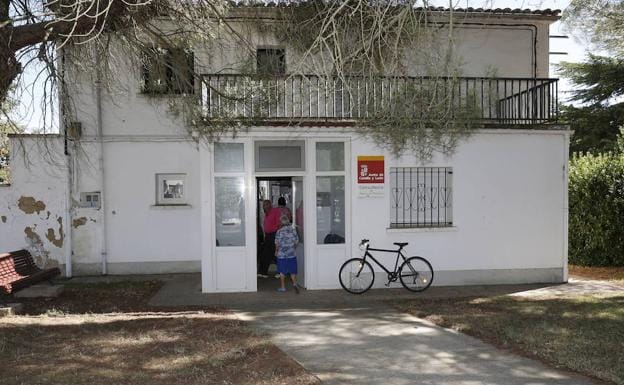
{"x":416,"y":274}
{"x":356,"y":276}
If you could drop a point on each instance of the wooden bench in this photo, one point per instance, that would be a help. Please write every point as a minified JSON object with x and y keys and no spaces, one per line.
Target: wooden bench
{"x":18,"y":270}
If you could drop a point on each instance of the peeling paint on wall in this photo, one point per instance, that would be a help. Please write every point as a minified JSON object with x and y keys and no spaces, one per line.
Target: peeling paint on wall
{"x":31,"y":235}
{"x":29,"y":205}
{"x":52,"y":238}
{"x":79,"y":222}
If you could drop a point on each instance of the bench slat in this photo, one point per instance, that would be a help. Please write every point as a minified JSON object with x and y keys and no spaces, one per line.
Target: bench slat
{"x":18,"y":270}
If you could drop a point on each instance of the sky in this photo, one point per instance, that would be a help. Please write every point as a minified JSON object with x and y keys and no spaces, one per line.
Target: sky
{"x":29,"y":113}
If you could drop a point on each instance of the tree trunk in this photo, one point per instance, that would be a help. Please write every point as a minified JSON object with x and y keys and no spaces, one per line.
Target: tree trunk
{"x":9,"y":67}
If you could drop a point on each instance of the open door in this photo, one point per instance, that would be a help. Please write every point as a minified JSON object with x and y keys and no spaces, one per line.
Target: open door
{"x":298,"y":221}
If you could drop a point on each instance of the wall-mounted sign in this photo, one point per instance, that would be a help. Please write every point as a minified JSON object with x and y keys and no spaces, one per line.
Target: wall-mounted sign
{"x":370,"y":177}
{"x":370,"y":169}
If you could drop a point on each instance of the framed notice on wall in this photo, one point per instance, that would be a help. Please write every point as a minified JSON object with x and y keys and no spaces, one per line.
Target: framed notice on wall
{"x":370,"y":176}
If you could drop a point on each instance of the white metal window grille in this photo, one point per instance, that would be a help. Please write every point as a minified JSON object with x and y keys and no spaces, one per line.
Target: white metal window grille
{"x":421,"y":197}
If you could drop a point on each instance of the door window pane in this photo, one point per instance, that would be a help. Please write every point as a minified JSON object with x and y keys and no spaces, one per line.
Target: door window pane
{"x":229,"y":157}
{"x":280,"y":155}
{"x":330,"y":156}
{"x":230,"y":211}
{"x":330,"y":209}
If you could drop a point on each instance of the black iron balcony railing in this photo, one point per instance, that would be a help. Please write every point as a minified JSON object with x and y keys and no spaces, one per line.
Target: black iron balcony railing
{"x":509,"y":101}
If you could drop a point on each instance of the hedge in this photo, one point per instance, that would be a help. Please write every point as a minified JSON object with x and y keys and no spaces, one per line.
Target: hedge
{"x":596,"y":200}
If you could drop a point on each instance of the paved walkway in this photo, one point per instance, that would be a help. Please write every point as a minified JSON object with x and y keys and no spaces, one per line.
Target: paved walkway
{"x":378,"y":345}
{"x":347,"y":339}
{"x":185,"y":290}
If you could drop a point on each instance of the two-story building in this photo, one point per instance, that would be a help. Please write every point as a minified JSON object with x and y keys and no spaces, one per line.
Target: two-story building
{"x":130,"y":188}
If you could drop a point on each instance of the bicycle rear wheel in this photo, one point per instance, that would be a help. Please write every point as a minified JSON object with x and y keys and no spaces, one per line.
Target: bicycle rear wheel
{"x":416,"y":274}
{"x":356,"y":276}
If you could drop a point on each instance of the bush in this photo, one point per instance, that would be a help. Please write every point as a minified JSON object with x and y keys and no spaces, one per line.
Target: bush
{"x":596,"y":198}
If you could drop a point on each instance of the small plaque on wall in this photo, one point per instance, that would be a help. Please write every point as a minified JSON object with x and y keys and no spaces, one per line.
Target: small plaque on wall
{"x":370,"y":191}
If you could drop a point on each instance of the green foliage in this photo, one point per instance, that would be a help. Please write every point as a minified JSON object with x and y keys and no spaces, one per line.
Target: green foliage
{"x":596,"y":217}
{"x":595,"y":127}
{"x":599,"y":79}
{"x":424,"y":118}
{"x":600,"y":20}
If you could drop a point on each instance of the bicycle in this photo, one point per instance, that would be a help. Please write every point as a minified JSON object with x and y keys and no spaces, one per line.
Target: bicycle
{"x":357,"y":275}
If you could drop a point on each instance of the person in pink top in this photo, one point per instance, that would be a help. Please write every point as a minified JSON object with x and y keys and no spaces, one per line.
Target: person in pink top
{"x":271,"y":225}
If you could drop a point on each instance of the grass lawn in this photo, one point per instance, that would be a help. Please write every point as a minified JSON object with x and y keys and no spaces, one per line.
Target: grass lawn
{"x":106,"y":334}
{"x":580,"y":333}
{"x":604,"y":273}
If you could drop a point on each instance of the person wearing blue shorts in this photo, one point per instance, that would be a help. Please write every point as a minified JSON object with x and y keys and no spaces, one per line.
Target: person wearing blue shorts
{"x":286,"y":241}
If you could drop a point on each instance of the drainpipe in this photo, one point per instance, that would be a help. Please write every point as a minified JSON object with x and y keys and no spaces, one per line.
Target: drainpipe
{"x":98,"y":101}
{"x":69,"y":250}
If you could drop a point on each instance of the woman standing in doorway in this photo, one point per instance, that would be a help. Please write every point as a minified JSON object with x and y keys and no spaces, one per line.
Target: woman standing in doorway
{"x":271,"y":225}
{"x":284,"y":210}
{"x":286,"y":240}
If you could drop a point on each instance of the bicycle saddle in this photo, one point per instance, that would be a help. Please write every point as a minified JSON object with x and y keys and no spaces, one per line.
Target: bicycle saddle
{"x":401,"y":244}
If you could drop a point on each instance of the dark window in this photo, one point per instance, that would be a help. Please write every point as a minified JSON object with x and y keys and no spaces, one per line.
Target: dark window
{"x":421,"y":197}
{"x":271,"y":61}
{"x":168,"y":71}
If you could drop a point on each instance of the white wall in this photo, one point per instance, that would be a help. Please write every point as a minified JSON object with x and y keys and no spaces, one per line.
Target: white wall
{"x":138,"y":230}
{"x":33,"y":209}
{"x":509,"y":207}
{"x":509,"y":211}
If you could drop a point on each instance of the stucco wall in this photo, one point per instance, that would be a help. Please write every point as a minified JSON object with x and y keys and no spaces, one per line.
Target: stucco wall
{"x":509,"y":208}
{"x":33,"y":209}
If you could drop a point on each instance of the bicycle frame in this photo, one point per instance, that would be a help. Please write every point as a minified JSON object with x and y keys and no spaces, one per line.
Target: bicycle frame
{"x":392,"y":275}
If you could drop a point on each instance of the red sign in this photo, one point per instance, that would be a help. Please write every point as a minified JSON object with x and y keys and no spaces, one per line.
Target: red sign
{"x":370,"y":169}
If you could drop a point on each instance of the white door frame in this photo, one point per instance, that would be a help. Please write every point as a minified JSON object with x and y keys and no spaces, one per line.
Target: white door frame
{"x":306,"y":224}
{"x":208,"y":247}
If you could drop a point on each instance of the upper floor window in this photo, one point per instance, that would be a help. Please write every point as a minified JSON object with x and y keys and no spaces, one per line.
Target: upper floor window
{"x":168,"y":71}
{"x":421,"y":197}
{"x":271,"y":61}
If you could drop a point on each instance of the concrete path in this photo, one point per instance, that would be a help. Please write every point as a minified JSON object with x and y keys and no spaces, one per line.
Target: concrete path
{"x":378,"y":345}
{"x":360,"y":340}
{"x":185,"y":290}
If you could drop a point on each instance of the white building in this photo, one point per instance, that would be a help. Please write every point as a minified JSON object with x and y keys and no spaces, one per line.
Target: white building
{"x":138,"y":193}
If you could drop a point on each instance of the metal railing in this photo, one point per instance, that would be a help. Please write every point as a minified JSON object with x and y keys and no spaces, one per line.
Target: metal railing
{"x":310,"y":97}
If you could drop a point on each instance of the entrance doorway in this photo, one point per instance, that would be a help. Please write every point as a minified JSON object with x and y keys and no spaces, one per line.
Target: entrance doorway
{"x":289,"y":190}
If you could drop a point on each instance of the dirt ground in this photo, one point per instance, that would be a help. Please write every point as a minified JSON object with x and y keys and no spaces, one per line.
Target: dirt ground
{"x":600,"y":273}
{"x":106,"y":334}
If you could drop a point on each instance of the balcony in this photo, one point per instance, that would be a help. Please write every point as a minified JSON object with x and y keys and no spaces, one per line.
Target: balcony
{"x":315,"y":99}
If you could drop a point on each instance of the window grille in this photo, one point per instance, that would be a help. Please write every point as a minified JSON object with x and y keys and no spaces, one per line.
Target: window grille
{"x":421,"y":197}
